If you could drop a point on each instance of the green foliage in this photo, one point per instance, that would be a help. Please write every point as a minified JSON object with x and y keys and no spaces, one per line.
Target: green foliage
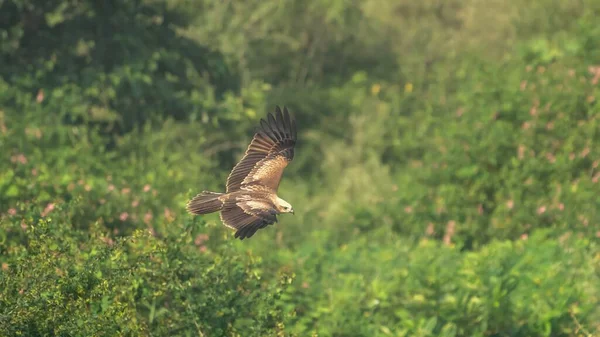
{"x":64,"y":281}
{"x":445,"y":183}
{"x":506,"y":160}
{"x":521,"y":288}
{"x":104,"y":75}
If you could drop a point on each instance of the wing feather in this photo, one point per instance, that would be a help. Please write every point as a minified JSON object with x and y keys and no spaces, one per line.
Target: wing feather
{"x":273,"y":126}
{"x":270,"y":151}
{"x":287,"y":123}
{"x":247,"y":217}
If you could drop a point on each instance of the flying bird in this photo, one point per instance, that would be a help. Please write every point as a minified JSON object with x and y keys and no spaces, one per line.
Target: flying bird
{"x":250,"y":201}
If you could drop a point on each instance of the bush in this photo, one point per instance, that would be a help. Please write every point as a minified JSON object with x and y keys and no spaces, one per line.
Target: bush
{"x":64,"y":281}
{"x":375,"y":286}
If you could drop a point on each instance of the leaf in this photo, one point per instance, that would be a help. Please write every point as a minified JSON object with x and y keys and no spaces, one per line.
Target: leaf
{"x":467,"y":171}
{"x":12,"y":191}
{"x":449,"y":330}
{"x":430,"y":325}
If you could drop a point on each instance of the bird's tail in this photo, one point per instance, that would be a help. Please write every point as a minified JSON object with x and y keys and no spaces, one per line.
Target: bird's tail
{"x":204,"y":203}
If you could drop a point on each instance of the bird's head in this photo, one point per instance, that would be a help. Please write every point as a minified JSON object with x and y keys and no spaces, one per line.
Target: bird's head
{"x":284,"y":206}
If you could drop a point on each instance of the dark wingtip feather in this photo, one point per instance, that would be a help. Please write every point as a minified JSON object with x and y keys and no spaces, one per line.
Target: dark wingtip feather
{"x":242,"y":233}
{"x":287,"y":119}
{"x":237,"y":234}
{"x":273,"y":126}
{"x":290,"y":122}
{"x":279,"y":125}
{"x":267,"y":130}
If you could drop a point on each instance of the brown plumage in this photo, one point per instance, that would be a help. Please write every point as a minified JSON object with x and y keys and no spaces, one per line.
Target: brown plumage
{"x":250,"y":201}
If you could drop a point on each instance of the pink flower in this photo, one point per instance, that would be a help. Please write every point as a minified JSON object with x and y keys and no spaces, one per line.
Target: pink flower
{"x":430,"y":229}
{"x":585,"y":152}
{"x":135,"y":203}
{"x":200,"y":239}
{"x":124,"y":216}
{"x":521,"y":152}
{"x":510,"y":204}
{"x":594,"y":70}
{"x":450,"y":229}
{"x":20,"y":158}
{"x":48,"y":209}
{"x":40,"y":96}
{"x":107,"y":240}
{"x":524,"y":236}
{"x":523,"y":85}
{"x":533,"y":111}
{"x":169,"y":215}
{"x":147,"y":217}
{"x":12,"y":211}
{"x":541,"y":210}
{"x":146,"y":188}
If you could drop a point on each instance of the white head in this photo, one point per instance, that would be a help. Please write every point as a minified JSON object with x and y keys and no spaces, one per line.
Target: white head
{"x":283,"y":206}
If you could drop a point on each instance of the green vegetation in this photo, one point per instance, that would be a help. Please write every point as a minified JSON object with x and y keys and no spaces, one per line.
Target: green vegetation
{"x":446,"y":180}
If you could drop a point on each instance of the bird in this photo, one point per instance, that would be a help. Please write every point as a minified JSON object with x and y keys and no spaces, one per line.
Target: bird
{"x":250,"y":201}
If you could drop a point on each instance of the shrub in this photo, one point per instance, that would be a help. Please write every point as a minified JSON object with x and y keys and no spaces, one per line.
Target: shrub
{"x":57,"y":280}
{"x":375,"y":286}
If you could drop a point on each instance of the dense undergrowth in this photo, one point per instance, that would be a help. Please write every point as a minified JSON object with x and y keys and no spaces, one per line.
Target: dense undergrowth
{"x":445,"y":184}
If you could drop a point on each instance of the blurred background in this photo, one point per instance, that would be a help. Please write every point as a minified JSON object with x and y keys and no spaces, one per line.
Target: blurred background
{"x":445,"y":182}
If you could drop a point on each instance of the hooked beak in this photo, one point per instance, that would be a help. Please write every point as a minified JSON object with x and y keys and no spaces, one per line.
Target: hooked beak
{"x":292,"y":211}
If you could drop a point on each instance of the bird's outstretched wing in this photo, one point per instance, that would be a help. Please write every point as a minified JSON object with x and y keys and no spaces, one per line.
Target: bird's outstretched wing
{"x":247,"y":216}
{"x":270,"y":151}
